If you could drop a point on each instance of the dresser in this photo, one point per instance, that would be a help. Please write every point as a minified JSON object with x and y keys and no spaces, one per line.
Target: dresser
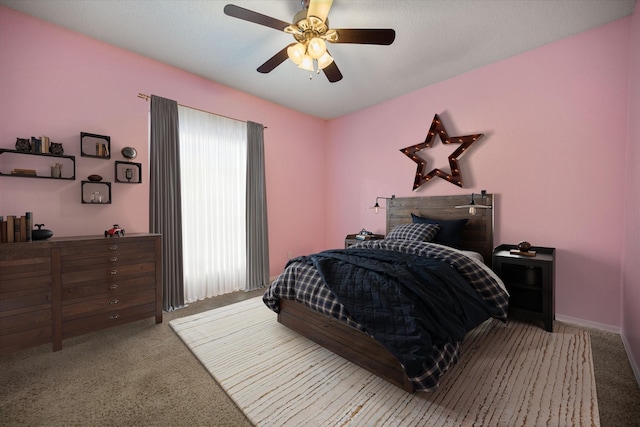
{"x":70,"y":286}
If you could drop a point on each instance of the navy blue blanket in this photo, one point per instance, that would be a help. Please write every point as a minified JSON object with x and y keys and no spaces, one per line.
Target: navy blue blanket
{"x":406,"y":302}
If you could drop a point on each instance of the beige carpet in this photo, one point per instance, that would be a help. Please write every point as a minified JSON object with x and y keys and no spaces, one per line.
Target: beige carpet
{"x":509,"y":375}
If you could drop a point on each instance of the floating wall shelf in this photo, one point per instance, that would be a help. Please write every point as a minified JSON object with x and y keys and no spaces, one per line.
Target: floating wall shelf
{"x":128,"y":172}
{"x":41,"y":161}
{"x":93,"y":145}
{"x":88,"y":188}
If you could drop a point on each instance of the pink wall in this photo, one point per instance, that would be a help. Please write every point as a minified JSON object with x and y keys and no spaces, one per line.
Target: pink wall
{"x":555,"y":121}
{"x":555,"y":125}
{"x":58,"y":83}
{"x":631,"y":267}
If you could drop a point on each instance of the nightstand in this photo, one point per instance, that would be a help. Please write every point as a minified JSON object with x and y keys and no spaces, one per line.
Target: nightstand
{"x":530,"y":281}
{"x":351,"y":240}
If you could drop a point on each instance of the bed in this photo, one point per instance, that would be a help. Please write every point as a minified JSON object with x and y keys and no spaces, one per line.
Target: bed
{"x":418,"y":291}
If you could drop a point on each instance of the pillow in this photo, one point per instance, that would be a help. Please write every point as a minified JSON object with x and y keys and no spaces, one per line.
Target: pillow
{"x":419,"y":232}
{"x":450,"y":229}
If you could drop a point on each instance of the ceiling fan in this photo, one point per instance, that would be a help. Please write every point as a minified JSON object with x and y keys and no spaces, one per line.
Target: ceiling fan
{"x":310,"y":28}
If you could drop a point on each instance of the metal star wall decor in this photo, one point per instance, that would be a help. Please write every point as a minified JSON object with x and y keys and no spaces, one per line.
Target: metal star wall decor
{"x":437,"y":128}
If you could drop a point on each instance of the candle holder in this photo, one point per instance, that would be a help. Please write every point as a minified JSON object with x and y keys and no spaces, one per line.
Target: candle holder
{"x":128,"y":172}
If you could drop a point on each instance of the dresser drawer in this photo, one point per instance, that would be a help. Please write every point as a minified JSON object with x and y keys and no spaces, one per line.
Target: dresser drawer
{"x":92,"y":261}
{"x":107,"y":247}
{"x":73,"y":310}
{"x":21,"y":272}
{"x":96,"y":322}
{"x":18,"y":272}
{"x":24,"y":339}
{"x":23,"y":252}
{"x":117,"y":286}
{"x":24,"y":321}
{"x":24,"y":301}
{"x":25,"y":283}
{"x":72,"y":278}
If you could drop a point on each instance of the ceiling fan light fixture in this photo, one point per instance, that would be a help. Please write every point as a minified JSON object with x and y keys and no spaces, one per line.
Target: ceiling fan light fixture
{"x":316,"y":47}
{"x":296,"y":53}
{"x":324,"y":61}
{"x":311,"y":31}
{"x":307,"y":63}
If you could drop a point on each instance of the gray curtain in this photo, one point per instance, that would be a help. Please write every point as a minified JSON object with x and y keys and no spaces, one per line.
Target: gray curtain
{"x":257,"y":230}
{"x":165,"y":215}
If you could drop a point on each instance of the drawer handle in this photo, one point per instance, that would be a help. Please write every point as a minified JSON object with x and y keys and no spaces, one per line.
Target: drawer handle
{"x":113,"y":301}
{"x":113,"y":259}
{"x":113,"y":248}
{"x":113,"y":272}
{"x":114,"y":316}
{"x":113,"y":287}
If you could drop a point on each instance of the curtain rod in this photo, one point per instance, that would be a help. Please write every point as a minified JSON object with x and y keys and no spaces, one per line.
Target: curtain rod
{"x":147,"y":97}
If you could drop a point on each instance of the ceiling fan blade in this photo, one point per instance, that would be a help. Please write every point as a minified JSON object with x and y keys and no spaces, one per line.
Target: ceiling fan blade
{"x":255,"y":17}
{"x":319,"y":9}
{"x":384,"y":36}
{"x":274,"y":61}
{"x":332,"y":72}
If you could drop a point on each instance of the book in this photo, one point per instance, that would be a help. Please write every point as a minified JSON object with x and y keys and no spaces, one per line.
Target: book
{"x":102,"y":150}
{"x":23,"y":229}
{"x":29,"y":226}
{"x":3,"y":232}
{"x":45,"y":144}
{"x":10,"y":228}
{"x":18,"y":171}
{"x":522,"y":253}
{"x":16,"y":229}
{"x":36,"y":143}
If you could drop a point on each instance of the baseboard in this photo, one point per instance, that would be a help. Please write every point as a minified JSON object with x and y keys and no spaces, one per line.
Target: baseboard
{"x":635,"y":368}
{"x":588,"y":324}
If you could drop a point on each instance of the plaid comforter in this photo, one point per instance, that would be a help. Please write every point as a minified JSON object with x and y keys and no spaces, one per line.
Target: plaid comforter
{"x":300,"y":281}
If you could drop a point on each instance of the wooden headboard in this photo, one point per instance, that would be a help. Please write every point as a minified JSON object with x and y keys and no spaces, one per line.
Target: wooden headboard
{"x":477,"y":234}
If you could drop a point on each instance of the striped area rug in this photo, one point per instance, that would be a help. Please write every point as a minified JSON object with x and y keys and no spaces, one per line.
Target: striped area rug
{"x":509,"y":375}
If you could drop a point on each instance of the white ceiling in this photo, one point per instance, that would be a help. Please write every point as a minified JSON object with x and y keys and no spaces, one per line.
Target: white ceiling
{"x":435,"y":40}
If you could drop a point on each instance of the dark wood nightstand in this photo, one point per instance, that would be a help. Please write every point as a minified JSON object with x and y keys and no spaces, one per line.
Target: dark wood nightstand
{"x":351,"y":240}
{"x":530,"y":281}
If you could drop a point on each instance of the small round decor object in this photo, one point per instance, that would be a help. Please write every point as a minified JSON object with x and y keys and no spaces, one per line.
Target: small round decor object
{"x":129,"y":153}
{"x":40,"y":233}
{"x":524,"y":246}
{"x":94,"y":178}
